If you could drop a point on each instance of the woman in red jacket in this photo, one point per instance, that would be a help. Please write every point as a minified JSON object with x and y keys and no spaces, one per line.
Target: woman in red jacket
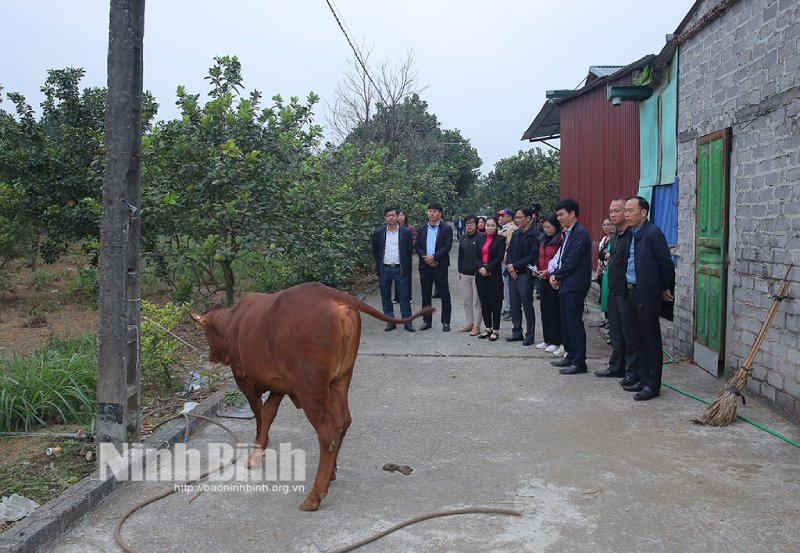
{"x":489,"y":278}
{"x":548,"y":301}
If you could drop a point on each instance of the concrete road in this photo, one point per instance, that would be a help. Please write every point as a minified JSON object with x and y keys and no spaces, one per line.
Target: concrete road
{"x":492,"y":425}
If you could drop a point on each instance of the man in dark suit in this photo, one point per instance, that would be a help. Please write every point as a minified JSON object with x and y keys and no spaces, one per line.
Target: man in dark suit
{"x":649,"y":278}
{"x":572,"y":277}
{"x":623,"y":360}
{"x":392,"y":246}
{"x":523,"y":250}
{"x":434,"y":241}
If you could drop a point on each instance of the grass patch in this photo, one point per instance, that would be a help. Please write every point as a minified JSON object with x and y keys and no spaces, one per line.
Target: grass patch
{"x":40,"y":278}
{"x":54,"y":385}
{"x":29,"y":472}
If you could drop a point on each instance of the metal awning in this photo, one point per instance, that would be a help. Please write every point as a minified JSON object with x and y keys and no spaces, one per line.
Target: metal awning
{"x":546,"y":125}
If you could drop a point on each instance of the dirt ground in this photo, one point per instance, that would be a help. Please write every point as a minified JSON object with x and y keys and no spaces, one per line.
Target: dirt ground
{"x":30,"y":314}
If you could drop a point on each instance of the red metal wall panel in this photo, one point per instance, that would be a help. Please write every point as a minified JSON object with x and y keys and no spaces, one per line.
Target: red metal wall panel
{"x":599,"y":154}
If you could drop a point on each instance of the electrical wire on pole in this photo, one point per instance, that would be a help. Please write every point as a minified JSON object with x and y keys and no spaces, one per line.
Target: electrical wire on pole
{"x":339,"y":21}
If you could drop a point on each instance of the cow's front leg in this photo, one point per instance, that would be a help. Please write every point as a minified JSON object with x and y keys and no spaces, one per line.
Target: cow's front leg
{"x":264,"y":417}
{"x":254,"y":400}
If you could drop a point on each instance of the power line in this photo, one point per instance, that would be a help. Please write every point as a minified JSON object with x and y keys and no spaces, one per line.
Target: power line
{"x":355,"y":52}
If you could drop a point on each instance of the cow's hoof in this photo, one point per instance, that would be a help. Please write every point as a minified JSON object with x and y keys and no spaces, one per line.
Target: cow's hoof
{"x":255,"y":458}
{"x":308,"y":505}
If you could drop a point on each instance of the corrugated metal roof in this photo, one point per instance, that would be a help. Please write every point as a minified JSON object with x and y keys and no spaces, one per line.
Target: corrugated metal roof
{"x":547,"y":124}
{"x":604,"y":70}
{"x":619,"y":73}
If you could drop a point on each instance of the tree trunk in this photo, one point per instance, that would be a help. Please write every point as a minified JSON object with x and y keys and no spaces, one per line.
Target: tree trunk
{"x":227,"y":271}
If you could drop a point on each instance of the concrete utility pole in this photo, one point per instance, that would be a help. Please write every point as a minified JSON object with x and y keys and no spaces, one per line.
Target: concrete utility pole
{"x":118,"y":384}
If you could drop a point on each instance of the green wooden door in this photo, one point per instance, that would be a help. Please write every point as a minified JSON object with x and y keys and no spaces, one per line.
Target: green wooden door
{"x":711,"y":243}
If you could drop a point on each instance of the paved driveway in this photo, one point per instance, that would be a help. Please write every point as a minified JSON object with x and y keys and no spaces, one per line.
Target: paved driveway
{"x":493,"y":425}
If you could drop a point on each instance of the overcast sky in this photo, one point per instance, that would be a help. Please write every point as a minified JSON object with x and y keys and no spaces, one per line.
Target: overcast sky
{"x":486,"y":64}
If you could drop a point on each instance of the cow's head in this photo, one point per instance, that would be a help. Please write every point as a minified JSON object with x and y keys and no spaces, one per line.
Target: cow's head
{"x":215,"y":331}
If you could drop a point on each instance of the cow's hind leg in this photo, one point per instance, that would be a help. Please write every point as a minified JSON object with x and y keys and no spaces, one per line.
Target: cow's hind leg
{"x":339,"y":390}
{"x":265,"y":416}
{"x":328,"y":424}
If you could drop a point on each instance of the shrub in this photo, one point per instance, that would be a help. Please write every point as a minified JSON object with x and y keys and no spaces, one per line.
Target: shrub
{"x":87,"y":285}
{"x":159,"y":350}
{"x":40,"y":278}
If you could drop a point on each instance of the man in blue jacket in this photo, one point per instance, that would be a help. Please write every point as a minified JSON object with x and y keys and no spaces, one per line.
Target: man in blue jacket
{"x":572,"y":278}
{"x":649,"y":278}
{"x":391,"y":247}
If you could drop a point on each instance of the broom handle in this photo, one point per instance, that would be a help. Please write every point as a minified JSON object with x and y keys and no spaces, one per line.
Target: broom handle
{"x":768,"y":321}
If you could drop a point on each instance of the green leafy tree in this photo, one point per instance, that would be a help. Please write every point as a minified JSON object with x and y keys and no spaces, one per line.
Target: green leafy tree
{"x":217,"y":181}
{"x":56,"y":162}
{"x":402,"y":156}
{"x":386,"y":128}
{"x":527,"y":178}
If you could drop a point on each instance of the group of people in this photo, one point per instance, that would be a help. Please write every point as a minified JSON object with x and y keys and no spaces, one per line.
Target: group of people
{"x":503,"y":264}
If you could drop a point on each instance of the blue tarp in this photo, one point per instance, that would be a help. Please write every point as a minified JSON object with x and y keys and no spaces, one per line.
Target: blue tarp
{"x":664,"y":211}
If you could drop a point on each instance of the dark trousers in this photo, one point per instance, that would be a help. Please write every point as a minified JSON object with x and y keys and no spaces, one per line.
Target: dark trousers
{"x":551,"y":315}
{"x":490,"y":291}
{"x":427,"y":277}
{"x":408,"y":285}
{"x":520,"y":292}
{"x":623,"y":357}
{"x":394,"y":275}
{"x":644,"y":329}
{"x":572,"y":330}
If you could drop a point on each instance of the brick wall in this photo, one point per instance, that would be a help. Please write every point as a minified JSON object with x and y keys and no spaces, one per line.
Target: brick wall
{"x":743,"y":71}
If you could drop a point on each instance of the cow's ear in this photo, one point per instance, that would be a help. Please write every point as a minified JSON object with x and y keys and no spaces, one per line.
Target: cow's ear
{"x":199,"y":319}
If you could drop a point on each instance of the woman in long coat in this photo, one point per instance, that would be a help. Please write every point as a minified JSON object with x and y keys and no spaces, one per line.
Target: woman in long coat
{"x":489,"y":278}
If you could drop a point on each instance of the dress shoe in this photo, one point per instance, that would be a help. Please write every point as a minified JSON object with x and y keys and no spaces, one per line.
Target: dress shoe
{"x":628,"y":381}
{"x":638,"y":387}
{"x":426,"y":326}
{"x":646,"y":393}
{"x":445,"y":327}
{"x":574,"y":369}
{"x":389,"y":326}
{"x":514,"y":339}
{"x":561,"y":363}
{"x":409,"y":327}
{"x":527,"y":342}
{"x":466,"y":328}
{"x":608,"y":373}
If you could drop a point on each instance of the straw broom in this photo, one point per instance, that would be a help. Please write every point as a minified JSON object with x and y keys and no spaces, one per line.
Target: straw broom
{"x":722,"y":411}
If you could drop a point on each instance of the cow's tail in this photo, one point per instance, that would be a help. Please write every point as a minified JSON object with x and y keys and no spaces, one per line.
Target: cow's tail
{"x":367,"y":309}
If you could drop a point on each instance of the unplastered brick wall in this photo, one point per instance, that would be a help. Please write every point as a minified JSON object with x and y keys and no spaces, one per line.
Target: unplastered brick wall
{"x":743,"y":71}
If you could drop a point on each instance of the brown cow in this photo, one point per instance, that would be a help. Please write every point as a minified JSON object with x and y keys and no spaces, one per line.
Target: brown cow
{"x":301,"y":342}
